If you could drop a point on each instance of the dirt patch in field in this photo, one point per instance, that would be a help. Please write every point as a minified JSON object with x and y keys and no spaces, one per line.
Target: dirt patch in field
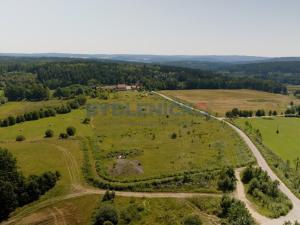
{"x":126,"y":167}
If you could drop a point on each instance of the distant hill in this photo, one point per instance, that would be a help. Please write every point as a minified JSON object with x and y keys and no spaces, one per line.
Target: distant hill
{"x":147,"y":58}
{"x":267,"y":67}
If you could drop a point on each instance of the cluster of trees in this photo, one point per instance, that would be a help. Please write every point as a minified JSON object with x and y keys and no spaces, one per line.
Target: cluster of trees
{"x":29,"y":91}
{"x":44,"y":112}
{"x":234,"y":212}
{"x":70,"y":131}
{"x":15,"y":189}
{"x":266,"y":191}
{"x":227,"y":180}
{"x":235,"y":112}
{"x":292,"y":110}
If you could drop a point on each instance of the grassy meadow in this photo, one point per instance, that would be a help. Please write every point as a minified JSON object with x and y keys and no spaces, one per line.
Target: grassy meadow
{"x":35,"y":129}
{"x":36,"y":157}
{"x":286,"y":143}
{"x":220,"y":101}
{"x":158,"y":211}
{"x":152,"y":144}
{"x":16,"y":108}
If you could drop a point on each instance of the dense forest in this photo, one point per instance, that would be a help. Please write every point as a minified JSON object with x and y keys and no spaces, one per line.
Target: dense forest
{"x":31,"y":78}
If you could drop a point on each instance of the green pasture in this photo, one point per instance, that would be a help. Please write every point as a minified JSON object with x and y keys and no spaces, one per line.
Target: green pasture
{"x":285,"y":143}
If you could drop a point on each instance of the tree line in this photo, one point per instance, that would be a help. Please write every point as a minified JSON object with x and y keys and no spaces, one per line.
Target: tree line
{"x":43,"y":112}
{"x":235,"y":112}
{"x":17,"y":190}
{"x":54,"y":74}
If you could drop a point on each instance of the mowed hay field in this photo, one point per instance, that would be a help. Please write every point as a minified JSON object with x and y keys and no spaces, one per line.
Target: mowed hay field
{"x":285,"y":144}
{"x":155,"y":143}
{"x":220,"y":101}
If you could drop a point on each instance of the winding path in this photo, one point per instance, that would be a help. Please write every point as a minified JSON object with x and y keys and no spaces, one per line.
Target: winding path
{"x":294,"y":214}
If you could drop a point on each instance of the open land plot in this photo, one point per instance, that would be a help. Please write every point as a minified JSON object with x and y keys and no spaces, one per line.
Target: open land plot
{"x":154,"y":144}
{"x":220,"y":101}
{"x":36,"y":157}
{"x":285,"y":143}
{"x":162,"y":211}
{"x":35,"y":130}
{"x":16,"y":108}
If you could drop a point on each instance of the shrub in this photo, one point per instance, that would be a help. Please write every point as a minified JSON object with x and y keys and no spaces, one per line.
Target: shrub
{"x":227,"y":180}
{"x":81,"y":99}
{"x":106,"y":214}
{"x":49,"y":133}
{"x":11,"y":120}
{"x":63,"y":136}
{"x":235,"y":212}
{"x":20,"y":138}
{"x":3,"y":100}
{"x":86,"y":121}
{"x":109,"y":195}
{"x":131,"y":213}
{"x":192,"y":220}
{"x":174,"y":135}
{"x":71,"y":131}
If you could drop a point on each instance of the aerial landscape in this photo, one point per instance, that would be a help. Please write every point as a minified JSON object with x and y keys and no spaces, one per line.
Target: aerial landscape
{"x":150,"y":112}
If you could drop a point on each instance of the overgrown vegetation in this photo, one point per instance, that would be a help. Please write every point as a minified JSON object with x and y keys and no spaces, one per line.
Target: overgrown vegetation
{"x":265,"y":193}
{"x":234,"y":212}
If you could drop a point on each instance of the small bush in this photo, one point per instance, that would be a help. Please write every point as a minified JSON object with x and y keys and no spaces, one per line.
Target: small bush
{"x":174,"y":135}
{"x":63,"y":136}
{"x":192,"y":220}
{"x":20,"y":138}
{"x":227,"y":180}
{"x":49,"y":133}
{"x":106,"y":214}
{"x":86,"y":121}
{"x":131,"y":213}
{"x":71,"y":131}
{"x":109,"y":195}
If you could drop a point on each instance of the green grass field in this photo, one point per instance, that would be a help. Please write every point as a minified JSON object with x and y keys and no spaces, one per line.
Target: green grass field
{"x":36,"y":157}
{"x":161,"y":211}
{"x":35,"y":130}
{"x":220,"y":101}
{"x":286,"y":143}
{"x":142,"y":146}
{"x":16,"y":108}
{"x":165,"y":211}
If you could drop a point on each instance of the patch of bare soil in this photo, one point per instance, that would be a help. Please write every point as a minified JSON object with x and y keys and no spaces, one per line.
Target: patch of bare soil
{"x":126,"y":167}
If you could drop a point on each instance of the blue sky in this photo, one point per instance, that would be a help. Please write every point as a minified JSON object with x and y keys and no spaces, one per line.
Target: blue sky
{"x":193,"y":27}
